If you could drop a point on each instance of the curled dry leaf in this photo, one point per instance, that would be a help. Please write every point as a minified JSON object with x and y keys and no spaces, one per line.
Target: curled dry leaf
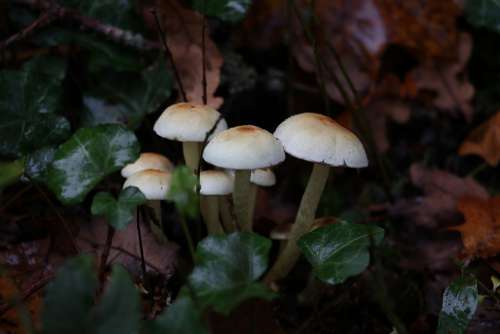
{"x":484,"y":141}
{"x":481,"y":229}
{"x":446,"y":80}
{"x":184,"y":37}
{"x":441,"y":190}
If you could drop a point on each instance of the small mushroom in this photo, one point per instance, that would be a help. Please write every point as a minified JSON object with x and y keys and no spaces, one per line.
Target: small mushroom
{"x":243,"y":148}
{"x":321,"y":140}
{"x":189,"y":123}
{"x":148,"y":160}
{"x":213,"y":184}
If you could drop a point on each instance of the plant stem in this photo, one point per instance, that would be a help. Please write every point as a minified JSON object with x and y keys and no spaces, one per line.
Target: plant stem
{"x":227,"y":216}
{"x":252,"y":197}
{"x":241,"y":200}
{"x":209,"y":205}
{"x":189,"y":240}
{"x":191,"y":151}
{"x":303,"y":222}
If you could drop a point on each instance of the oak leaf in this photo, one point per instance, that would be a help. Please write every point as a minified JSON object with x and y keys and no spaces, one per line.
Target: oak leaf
{"x":484,"y":141}
{"x":481,"y":229}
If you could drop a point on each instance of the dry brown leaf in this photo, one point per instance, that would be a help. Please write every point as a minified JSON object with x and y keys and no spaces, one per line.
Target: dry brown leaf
{"x":484,"y":141}
{"x":481,"y":229}
{"x":184,"y":35}
{"x":160,"y":257}
{"x":441,"y":191}
{"x":452,"y":90}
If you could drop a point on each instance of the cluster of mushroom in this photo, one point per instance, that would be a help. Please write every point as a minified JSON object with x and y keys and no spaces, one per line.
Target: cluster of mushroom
{"x":247,"y":152}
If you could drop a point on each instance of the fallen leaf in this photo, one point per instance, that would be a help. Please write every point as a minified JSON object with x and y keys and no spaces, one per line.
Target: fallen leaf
{"x":125,"y":250}
{"x":446,"y":80}
{"x":441,"y":191}
{"x":184,"y":37}
{"x":481,"y":229}
{"x":484,"y":141}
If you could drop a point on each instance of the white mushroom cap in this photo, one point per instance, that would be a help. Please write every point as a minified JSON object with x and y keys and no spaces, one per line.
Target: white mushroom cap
{"x":188,"y":122}
{"x":147,"y":160}
{"x":263,"y":177}
{"x":281,"y":232}
{"x":318,"y":138}
{"x":244,"y":147}
{"x":153,"y":183}
{"x":216,"y":182}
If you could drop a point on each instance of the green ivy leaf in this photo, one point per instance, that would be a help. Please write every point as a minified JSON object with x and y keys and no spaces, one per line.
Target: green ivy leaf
{"x":182,"y":317}
{"x":460,"y":300}
{"x":126,"y":98}
{"x":28,"y":101}
{"x":227,"y":10}
{"x":119,"y":213}
{"x":182,"y":191}
{"x":70,"y":297}
{"x":483,"y":13}
{"x":10,"y":172}
{"x":118,"y":311}
{"x":227,"y":270}
{"x":37,"y":163}
{"x":339,"y":251}
{"x":87,"y":157}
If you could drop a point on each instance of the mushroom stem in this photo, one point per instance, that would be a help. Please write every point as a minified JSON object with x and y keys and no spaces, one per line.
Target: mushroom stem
{"x":191,"y":151}
{"x":303,"y":222}
{"x":210,"y":211}
{"x":252,"y":196}
{"x":241,"y":199}
{"x":227,"y":216}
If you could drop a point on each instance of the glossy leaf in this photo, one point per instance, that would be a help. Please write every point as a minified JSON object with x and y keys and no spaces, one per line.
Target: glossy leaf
{"x":87,"y":157}
{"x":460,"y":300}
{"x":227,"y":10}
{"x":70,"y":297}
{"x":119,"y":213}
{"x":37,"y":163}
{"x":483,"y":13}
{"x":118,"y":310}
{"x":182,"y":191}
{"x":28,"y":101}
{"x":227,"y":270}
{"x":10,"y":172}
{"x":339,"y":251}
{"x":181,"y":317}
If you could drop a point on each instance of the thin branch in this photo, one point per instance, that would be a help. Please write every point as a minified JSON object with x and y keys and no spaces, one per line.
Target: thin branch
{"x":52,"y":11}
{"x":204,"y":54}
{"x":170,"y":57}
{"x":139,"y":236}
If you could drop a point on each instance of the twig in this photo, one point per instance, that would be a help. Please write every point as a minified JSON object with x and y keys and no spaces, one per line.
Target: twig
{"x":170,"y":57}
{"x":204,"y":54}
{"x":53,"y":11}
{"x":139,"y":236}
{"x":105,"y":252}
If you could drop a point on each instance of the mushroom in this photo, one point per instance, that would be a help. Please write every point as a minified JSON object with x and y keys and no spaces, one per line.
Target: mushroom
{"x":189,"y":123}
{"x":243,"y":148}
{"x":282,"y":233}
{"x":321,"y":140}
{"x":147,"y":160}
{"x":213,"y":184}
{"x":154,"y":184}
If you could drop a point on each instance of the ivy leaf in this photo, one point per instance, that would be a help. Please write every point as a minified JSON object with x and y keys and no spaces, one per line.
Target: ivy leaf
{"x":70,"y":297}
{"x":182,"y":317}
{"x":483,"y":13}
{"x":227,"y":10}
{"x":10,"y":172}
{"x":87,"y":157}
{"x":119,"y":308}
{"x":182,"y":191}
{"x":460,"y":300}
{"x":227,"y":270}
{"x":340,"y":250}
{"x":119,"y":213}
{"x":127,"y":98}
{"x":37,"y":163}
{"x":28,"y":101}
